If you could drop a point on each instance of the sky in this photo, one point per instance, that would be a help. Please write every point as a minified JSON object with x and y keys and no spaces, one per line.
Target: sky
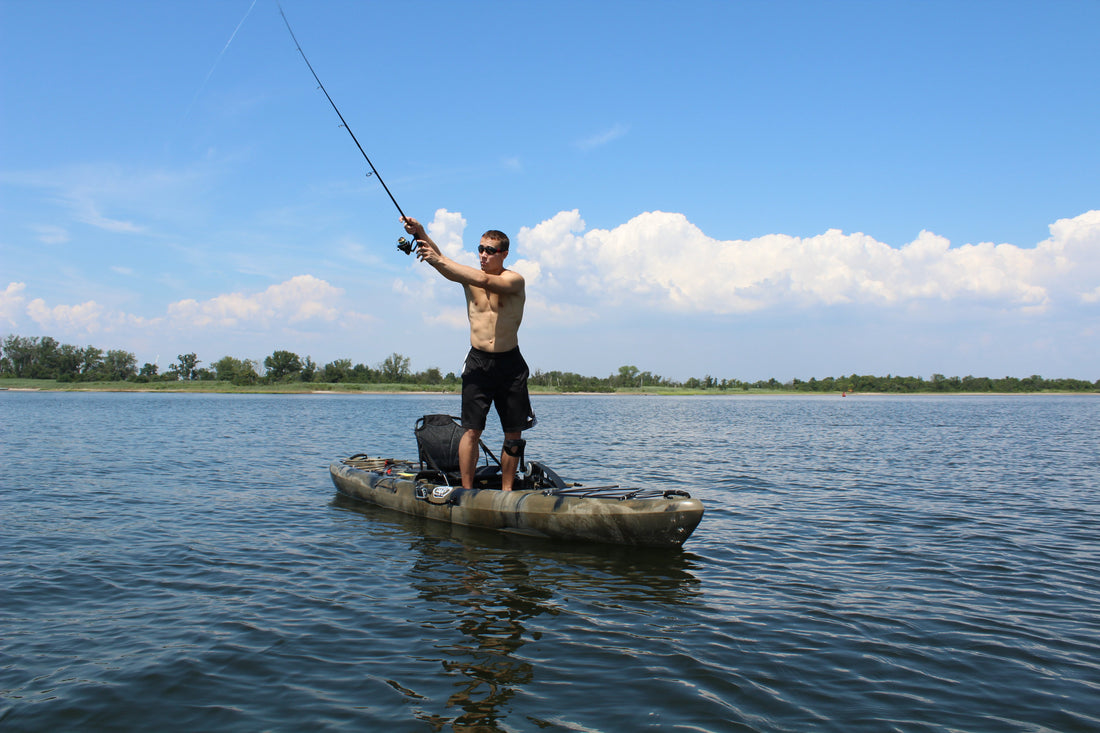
{"x":743,"y":190}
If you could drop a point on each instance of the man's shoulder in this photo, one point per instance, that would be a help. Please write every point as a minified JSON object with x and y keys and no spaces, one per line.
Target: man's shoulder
{"x":510,"y":279}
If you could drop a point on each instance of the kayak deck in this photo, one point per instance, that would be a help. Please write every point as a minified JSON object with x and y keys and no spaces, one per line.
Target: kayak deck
{"x":650,"y":518}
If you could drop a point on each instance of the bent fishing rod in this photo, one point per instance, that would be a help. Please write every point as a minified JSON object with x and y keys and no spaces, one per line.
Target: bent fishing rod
{"x":402,"y":244}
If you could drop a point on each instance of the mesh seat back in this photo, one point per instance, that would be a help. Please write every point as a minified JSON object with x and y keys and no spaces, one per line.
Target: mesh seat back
{"x":437,"y":439}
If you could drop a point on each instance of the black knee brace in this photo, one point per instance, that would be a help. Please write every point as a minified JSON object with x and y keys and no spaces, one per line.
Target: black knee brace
{"x":514,"y":447}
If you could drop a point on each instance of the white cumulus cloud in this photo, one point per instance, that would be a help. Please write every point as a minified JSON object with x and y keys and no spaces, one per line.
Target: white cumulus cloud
{"x":662,"y":261}
{"x":301,"y":298}
{"x":87,"y":317}
{"x":446,"y":231}
{"x":11,"y":303}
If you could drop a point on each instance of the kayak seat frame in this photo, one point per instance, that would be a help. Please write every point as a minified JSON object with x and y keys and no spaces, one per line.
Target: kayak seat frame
{"x":437,"y":441}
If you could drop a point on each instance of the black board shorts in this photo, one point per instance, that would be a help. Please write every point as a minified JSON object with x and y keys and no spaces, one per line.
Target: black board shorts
{"x":499,"y":379}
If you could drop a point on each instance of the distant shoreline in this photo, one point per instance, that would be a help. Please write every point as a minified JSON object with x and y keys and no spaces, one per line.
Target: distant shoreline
{"x":299,"y":388}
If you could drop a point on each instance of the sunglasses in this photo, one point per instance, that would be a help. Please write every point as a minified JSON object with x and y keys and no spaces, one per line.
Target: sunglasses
{"x":489,"y":250}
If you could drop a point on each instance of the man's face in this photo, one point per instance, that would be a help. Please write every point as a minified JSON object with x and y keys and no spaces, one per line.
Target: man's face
{"x":492,"y":257}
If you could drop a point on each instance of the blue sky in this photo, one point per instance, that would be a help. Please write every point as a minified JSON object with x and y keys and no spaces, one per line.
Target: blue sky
{"x":744,"y":190}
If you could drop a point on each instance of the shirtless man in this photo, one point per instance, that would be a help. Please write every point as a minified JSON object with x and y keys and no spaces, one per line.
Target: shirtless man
{"x":495,"y":371}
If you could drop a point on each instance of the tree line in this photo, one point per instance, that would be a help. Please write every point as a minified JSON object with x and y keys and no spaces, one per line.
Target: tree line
{"x":630,"y":377}
{"x":46,"y":358}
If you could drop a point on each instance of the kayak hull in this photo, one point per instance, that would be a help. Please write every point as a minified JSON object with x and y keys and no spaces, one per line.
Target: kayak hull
{"x":648,"y":522}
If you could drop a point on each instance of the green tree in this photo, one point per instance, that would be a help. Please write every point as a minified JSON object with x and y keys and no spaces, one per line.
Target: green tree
{"x":247,"y":375}
{"x":628,"y":377}
{"x":283,"y":365}
{"x":91,"y":362}
{"x":68,"y":359}
{"x":363,"y":374}
{"x":977,"y":384}
{"x":336,"y":371}
{"x":225,"y":368}
{"x":45,"y":359}
{"x":228,"y":368}
{"x":395,"y":368}
{"x":309,"y":370}
{"x":1034,"y":383}
{"x":118,"y":366}
{"x":187,"y":365}
{"x":431,"y":375}
{"x":19,"y":355}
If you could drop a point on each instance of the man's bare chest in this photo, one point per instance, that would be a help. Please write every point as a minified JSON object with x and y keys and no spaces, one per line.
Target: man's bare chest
{"x":483,"y":301}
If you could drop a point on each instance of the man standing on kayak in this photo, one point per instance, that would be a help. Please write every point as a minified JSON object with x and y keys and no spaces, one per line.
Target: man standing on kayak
{"x":495,"y":372}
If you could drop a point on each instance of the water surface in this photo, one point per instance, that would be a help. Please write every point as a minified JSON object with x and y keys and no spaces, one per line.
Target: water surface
{"x":865,"y":563}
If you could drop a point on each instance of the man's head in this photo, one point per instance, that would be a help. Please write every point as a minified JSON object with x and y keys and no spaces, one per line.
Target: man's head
{"x":492,"y":250}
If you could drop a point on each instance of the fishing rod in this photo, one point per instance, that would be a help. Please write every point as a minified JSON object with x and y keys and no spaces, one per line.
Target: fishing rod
{"x":402,"y":244}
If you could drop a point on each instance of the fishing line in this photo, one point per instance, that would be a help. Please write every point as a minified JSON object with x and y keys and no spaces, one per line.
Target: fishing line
{"x":345,"y":125}
{"x":218,"y":60}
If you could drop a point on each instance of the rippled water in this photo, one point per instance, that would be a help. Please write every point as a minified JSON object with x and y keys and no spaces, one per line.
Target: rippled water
{"x":181,"y":562}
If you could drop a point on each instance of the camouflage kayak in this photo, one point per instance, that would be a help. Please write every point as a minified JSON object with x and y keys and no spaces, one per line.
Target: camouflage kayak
{"x":541,"y":505}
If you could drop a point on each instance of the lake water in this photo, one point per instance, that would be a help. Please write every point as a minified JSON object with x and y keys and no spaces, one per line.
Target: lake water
{"x":182,"y":562}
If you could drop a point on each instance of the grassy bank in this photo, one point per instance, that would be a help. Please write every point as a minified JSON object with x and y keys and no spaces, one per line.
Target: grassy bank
{"x":222,"y":387}
{"x":208,"y":387}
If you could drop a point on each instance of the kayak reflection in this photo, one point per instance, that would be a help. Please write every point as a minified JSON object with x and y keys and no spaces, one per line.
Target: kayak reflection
{"x":490,"y":595}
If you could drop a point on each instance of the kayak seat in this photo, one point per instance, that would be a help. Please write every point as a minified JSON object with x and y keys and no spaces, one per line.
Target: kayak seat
{"x":437,"y":441}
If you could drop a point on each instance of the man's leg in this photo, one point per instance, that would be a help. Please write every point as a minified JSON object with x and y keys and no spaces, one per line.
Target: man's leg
{"x":467,"y":456}
{"x":508,"y":463}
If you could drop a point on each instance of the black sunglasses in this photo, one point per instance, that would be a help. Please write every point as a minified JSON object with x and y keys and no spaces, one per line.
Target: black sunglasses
{"x":489,"y":249}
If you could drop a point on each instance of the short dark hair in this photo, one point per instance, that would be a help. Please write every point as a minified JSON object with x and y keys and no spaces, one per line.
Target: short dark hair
{"x":495,"y":235}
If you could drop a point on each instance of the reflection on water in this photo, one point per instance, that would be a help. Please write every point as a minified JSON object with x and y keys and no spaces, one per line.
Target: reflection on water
{"x":489,"y":608}
{"x":665,"y":576}
{"x":480,"y":588}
